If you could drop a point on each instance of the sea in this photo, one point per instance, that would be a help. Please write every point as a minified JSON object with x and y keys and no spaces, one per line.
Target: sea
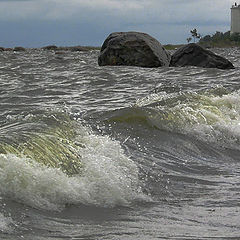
{"x":117,"y":152}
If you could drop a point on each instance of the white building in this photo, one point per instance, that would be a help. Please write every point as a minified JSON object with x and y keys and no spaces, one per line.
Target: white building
{"x":235,"y":18}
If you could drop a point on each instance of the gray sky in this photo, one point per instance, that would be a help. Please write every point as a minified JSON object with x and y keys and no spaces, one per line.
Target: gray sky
{"x":36,"y":23}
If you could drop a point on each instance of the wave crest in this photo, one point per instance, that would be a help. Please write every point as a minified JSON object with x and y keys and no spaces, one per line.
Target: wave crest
{"x":50,"y":171}
{"x":212,"y":116}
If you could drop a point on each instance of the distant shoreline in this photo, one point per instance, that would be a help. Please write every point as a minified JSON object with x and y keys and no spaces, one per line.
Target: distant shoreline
{"x":205,"y":45}
{"x":90,"y":48}
{"x":53,"y":48}
{"x":77,"y":48}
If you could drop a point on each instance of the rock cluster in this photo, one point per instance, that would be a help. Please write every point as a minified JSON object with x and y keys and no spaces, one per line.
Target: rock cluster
{"x":53,"y":48}
{"x":142,"y":50}
{"x":50,"y":48}
{"x":16,"y":49}
{"x":72,"y":49}
{"x":19,"y":49}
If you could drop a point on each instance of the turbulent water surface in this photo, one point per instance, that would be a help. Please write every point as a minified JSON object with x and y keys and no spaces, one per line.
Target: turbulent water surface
{"x":89,"y":152}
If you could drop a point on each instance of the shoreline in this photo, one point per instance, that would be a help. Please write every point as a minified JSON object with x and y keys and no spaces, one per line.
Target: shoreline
{"x":52,"y":48}
{"x":80,"y":48}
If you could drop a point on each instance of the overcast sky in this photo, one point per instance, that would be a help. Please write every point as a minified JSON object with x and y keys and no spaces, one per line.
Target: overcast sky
{"x":36,"y":23}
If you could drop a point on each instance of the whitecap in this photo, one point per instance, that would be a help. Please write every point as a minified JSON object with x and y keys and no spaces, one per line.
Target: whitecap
{"x":108,"y":178}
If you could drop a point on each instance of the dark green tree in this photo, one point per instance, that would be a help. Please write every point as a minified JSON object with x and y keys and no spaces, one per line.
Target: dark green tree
{"x":195,"y":34}
{"x":235,"y":37}
{"x":206,"y":38}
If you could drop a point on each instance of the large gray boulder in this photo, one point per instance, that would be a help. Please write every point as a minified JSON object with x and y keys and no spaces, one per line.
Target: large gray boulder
{"x":133,"y":49}
{"x":194,"y":55}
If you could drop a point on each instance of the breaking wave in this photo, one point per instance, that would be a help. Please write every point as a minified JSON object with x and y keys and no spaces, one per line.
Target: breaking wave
{"x":67,"y":164}
{"x":211,"y":116}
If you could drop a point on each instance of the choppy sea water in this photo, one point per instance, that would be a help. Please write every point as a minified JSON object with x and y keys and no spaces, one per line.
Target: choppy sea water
{"x":89,"y":152}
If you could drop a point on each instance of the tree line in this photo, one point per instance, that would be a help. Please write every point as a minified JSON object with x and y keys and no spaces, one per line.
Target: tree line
{"x":220,"y":36}
{"x":217,"y":39}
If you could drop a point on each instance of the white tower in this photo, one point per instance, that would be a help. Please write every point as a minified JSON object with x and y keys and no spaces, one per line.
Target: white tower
{"x":235,"y":18}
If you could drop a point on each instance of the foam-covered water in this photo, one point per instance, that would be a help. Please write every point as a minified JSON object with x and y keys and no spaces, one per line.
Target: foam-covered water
{"x":107,"y":178}
{"x":89,"y":152}
{"x":212,"y":116}
{"x":5,"y":224}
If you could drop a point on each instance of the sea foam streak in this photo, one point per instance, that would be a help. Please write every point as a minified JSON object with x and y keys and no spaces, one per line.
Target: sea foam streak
{"x":5,"y":224}
{"x":210,"y":117}
{"x":108,"y":177}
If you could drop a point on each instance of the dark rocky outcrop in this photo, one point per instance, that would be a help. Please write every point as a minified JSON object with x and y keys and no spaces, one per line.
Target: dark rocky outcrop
{"x":2,"y":49}
{"x":19,"y":49}
{"x":133,"y":49}
{"x":72,"y":49}
{"x":78,"y":49}
{"x":50,"y":47}
{"x":194,"y":55}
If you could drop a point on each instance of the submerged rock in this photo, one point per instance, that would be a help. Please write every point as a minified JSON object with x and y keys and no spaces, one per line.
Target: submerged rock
{"x":133,"y":49}
{"x":78,"y":49}
{"x":50,"y":48}
{"x":19,"y":49}
{"x":194,"y":55}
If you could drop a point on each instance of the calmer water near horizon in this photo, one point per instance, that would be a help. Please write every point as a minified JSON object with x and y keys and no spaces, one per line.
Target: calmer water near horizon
{"x":89,"y":152}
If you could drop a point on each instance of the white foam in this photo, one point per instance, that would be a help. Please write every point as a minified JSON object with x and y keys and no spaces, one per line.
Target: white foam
{"x":222,"y":124}
{"x":212,"y":118}
{"x":109,"y":178}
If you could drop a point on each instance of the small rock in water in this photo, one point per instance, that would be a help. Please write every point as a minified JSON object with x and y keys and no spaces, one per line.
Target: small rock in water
{"x":19,"y":49}
{"x":50,"y":47}
{"x":133,"y":49}
{"x":194,"y":55}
